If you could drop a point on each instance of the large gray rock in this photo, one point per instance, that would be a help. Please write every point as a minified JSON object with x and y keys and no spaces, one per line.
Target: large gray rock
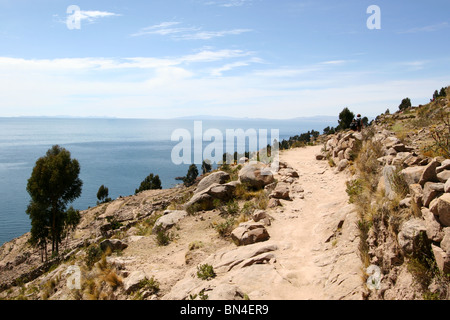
{"x":168,"y":220}
{"x":412,"y":174}
{"x":256,"y":175}
{"x":388,"y":172}
{"x":430,"y":191}
{"x":441,"y":208}
{"x":442,"y":259}
{"x":219,"y":177}
{"x":444,"y":176}
{"x":409,"y":235}
{"x":222,"y":191}
{"x":342,"y":165}
{"x":429,"y":173}
{"x":281,"y":191}
{"x":432,"y":225}
{"x":113,"y":245}
{"x":132,"y":282}
{"x":445,"y":243}
{"x":249,"y":233}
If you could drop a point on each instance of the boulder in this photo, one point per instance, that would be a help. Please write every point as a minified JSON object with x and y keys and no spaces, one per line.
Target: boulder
{"x":168,"y":220}
{"x":447,"y":186}
{"x":249,"y":233}
{"x":445,"y":243}
{"x":132,"y":282}
{"x":201,"y":200}
{"x":387,"y":173}
{"x":256,"y":175}
{"x":412,"y":175}
{"x":222,"y":191}
{"x":409,"y":235}
{"x":342,"y":165}
{"x":445,"y":165}
{"x":429,"y":173}
{"x":430,"y":191}
{"x":443,"y":176}
{"x":416,"y":192}
{"x":273,"y":203}
{"x":113,"y":245}
{"x":281,"y":191}
{"x":442,"y":259}
{"x":432,"y":225}
{"x":219,"y":177}
{"x":441,"y":208}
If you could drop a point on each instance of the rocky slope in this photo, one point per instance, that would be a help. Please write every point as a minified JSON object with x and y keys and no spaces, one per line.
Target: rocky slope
{"x":360,"y":216}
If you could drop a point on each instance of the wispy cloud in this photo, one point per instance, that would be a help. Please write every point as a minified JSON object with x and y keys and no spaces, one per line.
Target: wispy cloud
{"x":175,"y":31}
{"x":87,"y":16}
{"x":228,"y":3}
{"x":430,"y":28}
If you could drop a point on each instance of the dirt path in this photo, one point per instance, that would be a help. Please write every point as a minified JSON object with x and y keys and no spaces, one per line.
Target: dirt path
{"x":316,"y":234}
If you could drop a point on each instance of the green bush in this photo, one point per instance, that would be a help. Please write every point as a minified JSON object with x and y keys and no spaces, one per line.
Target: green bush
{"x":205,"y":272}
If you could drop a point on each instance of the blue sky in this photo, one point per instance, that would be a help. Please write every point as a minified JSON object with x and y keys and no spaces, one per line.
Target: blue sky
{"x":242,"y":58}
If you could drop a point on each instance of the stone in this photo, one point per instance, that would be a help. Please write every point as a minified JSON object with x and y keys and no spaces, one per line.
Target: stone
{"x":433,"y":227}
{"x":429,"y":173}
{"x":430,"y":191}
{"x":416,"y":192}
{"x":113,"y":245}
{"x":256,"y":175}
{"x":342,"y":165}
{"x":249,"y":233}
{"x":442,"y":259}
{"x":443,"y":176}
{"x":400,"y":147}
{"x":447,"y":186}
{"x":445,"y":165}
{"x":273,"y":203}
{"x":320,"y":156}
{"x":219,"y":177}
{"x":412,"y":175}
{"x":387,"y":173}
{"x":409,"y":235}
{"x":441,"y":208}
{"x":281,"y":191}
{"x":242,"y":160}
{"x":405,"y":203}
{"x":168,"y":220}
{"x":259,"y":215}
{"x":201,"y":200}
{"x":401,"y":157}
{"x":222,"y":191}
{"x":131,"y":283}
{"x":445,"y":243}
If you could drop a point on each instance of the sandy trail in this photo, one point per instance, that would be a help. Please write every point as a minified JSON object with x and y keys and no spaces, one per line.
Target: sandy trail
{"x":316,"y":233}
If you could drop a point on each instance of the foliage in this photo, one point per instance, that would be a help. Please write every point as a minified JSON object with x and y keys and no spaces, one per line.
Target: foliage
{"x":191,"y":175}
{"x":205,"y":272}
{"x":206,"y":166}
{"x":299,"y":140}
{"x":102,"y":194}
{"x":151,"y":182}
{"x":53,"y":184}
{"x":345,"y":119}
{"x":406,"y":103}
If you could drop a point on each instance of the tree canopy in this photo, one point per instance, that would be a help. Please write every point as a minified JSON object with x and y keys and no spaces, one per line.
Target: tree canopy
{"x":151,"y":182}
{"x":53,"y":184}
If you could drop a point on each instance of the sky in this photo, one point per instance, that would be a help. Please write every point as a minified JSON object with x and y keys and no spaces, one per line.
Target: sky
{"x":242,"y":58}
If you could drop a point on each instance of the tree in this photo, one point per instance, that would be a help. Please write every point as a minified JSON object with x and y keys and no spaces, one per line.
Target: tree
{"x":435,"y":95}
{"x":151,"y":182}
{"x":206,"y":166}
{"x":102,"y":194}
{"x":406,"y":103}
{"x":442,"y":93}
{"x":345,"y":119}
{"x":191,"y":175}
{"x":53,"y":184}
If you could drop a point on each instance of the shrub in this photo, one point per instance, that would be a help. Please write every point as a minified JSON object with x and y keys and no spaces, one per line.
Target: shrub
{"x":205,"y":272}
{"x":151,"y":182}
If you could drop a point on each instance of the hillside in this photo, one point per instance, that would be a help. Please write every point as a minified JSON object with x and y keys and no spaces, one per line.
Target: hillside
{"x":357,"y":216}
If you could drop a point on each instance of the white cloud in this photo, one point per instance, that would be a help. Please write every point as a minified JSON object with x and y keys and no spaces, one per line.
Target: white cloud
{"x":430,"y":28}
{"x":228,"y":3}
{"x":177,"y":32}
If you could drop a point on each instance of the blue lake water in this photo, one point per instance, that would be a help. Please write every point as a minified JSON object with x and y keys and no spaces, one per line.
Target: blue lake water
{"x":118,"y":153}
